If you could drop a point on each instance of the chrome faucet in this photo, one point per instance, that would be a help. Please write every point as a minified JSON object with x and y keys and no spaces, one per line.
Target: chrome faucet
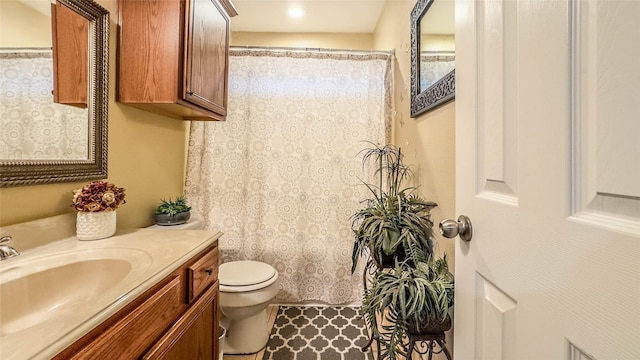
{"x":7,"y":251}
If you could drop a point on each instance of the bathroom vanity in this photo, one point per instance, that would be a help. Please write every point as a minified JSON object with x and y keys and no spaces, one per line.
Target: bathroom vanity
{"x":173,"y":320}
{"x":142,"y":294}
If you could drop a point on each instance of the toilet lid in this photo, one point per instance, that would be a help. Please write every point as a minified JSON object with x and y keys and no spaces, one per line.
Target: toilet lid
{"x":243,"y":273}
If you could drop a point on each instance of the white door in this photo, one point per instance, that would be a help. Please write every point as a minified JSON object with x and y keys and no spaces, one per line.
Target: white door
{"x":548,"y":171}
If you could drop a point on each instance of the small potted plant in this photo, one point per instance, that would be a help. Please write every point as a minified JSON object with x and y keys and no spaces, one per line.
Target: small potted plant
{"x":411,"y":299}
{"x":395,"y":222}
{"x":172,"y":212}
{"x":96,"y":204}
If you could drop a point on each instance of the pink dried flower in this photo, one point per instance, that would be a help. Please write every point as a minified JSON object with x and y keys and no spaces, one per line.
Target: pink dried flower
{"x":98,"y":196}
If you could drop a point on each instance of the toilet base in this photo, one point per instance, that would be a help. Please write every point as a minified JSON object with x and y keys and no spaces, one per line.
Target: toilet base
{"x":247,"y":336}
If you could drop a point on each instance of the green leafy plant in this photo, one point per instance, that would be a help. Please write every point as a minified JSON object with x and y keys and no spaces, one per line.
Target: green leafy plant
{"x":409,"y":299}
{"x":395,"y":223}
{"x":173,"y":207}
{"x":411,"y":291}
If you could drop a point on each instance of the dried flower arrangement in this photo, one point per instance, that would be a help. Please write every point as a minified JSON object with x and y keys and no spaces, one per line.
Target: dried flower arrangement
{"x":98,"y":196}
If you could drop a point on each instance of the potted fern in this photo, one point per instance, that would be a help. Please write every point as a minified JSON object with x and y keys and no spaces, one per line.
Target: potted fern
{"x":395,"y":222}
{"x":410,"y":299}
{"x":172,"y":212}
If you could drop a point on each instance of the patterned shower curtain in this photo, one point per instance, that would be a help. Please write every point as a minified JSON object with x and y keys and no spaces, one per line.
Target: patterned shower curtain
{"x":280,"y":178}
{"x":33,"y":126}
{"x":434,"y":68}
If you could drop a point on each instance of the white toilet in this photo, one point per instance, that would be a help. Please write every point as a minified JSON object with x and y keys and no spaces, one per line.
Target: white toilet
{"x":246,"y":289}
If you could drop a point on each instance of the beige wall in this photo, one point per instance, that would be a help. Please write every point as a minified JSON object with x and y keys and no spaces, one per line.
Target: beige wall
{"x":437,"y":42}
{"x":22,"y":26}
{"x":428,"y":141}
{"x":354,"y":41}
{"x":146,"y":157}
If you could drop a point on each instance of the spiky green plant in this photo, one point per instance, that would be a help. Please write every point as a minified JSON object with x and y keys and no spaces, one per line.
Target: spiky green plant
{"x":173,"y":207}
{"x":408,"y":298}
{"x":395,"y":222}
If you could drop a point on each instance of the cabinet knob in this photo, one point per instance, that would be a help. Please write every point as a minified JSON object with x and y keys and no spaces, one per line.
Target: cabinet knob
{"x":209,"y":271}
{"x":190,"y":93}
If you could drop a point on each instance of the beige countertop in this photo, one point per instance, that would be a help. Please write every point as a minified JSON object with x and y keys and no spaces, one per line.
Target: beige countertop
{"x":151,"y":253}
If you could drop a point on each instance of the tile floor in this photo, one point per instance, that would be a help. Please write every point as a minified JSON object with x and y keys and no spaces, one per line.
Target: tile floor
{"x":317,"y":333}
{"x":273,"y":310}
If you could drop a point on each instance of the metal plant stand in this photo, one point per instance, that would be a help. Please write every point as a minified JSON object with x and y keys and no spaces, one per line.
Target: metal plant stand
{"x":429,"y":341}
{"x":370,"y":269}
{"x":433,"y":343}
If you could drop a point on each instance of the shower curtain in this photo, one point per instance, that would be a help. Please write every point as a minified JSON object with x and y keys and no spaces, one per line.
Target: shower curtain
{"x":33,"y":126}
{"x":434,"y":68}
{"x":280,"y":178}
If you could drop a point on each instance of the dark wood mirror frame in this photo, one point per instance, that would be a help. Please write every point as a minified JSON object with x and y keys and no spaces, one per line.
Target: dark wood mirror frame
{"x":444,"y":89}
{"x":32,"y":172}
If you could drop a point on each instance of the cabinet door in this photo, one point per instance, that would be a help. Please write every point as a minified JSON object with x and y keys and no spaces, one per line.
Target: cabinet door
{"x":139,"y":329}
{"x":194,"y":336}
{"x":70,"y":36}
{"x":206,"y":56}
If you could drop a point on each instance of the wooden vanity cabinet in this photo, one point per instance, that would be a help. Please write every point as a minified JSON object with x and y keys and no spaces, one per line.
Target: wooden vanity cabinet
{"x":174,"y":56}
{"x":176,"y":319}
{"x":192,"y":337}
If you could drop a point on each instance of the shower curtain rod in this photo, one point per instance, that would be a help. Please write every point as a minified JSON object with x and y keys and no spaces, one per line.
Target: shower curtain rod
{"x":318,"y":49}
{"x":449,"y":52}
{"x":24,"y":49}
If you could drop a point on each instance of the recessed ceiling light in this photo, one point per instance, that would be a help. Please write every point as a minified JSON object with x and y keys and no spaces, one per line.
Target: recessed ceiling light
{"x":296,"y":12}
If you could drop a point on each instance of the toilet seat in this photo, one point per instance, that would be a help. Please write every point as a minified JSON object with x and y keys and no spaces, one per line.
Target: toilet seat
{"x":243,"y":276}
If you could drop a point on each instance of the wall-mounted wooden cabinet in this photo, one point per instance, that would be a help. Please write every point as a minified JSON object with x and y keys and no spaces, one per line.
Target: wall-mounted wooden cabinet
{"x":70,"y":38}
{"x":176,"y":319}
{"x":174,"y":56}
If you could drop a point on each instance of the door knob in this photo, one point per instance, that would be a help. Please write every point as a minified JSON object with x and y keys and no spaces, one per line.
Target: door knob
{"x":450,"y":228}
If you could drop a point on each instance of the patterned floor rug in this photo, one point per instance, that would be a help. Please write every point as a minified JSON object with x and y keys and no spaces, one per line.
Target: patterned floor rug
{"x":317,"y":333}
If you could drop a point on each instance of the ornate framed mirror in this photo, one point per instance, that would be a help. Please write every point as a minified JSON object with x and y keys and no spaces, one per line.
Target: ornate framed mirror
{"x":432,"y":55}
{"x":52,"y":135}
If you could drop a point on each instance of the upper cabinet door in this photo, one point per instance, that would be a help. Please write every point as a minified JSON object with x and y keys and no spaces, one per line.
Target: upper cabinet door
{"x":173,"y":56}
{"x":206,"y":56}
{"x":70,"y":38}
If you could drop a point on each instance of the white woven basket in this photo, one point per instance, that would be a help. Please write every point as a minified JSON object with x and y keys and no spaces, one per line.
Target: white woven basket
{"x":95,"y":225}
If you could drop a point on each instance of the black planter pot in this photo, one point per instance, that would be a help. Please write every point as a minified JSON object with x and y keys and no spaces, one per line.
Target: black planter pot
{"x":389,"y":261}
{"x":168,"y":220}
{"x":431,"y":327}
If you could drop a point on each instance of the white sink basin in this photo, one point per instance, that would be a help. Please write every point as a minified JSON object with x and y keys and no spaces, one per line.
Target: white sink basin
{"x":51,"y":288}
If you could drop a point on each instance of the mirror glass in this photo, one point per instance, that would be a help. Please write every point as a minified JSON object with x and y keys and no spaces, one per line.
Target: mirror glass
{"x":53,"y":91}
{"x":432,"y":54}
{"x":437,"y":43}
{"x":34,"y":126}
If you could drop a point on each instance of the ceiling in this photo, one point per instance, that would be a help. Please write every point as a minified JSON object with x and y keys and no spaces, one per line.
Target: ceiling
{"x":347,"y":16}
